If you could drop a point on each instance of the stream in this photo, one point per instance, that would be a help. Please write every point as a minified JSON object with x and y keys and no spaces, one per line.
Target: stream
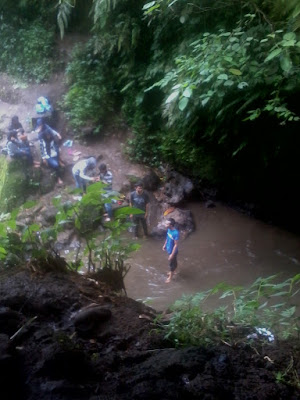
{"x":227,"y":246}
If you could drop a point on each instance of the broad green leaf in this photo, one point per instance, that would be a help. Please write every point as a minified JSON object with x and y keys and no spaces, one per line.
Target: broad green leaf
{"x":289,"y":312}
{"x":234,"y":71}
{"x":228,"y":83}
{"x":2,"y":250}
{"x":203,"y":102}
{"x":172,"y":97}
{"x":264,"y":40}
{"x":285,"y":63}
{"x":223,"y":77}
{"x":148,"y":5}
{"x":187,"y":92}
{"x":12,"y":224}
{"x":289,"y":36}
{"x":289,"y":43}
{"x":125,"y":211}
{"x":273,"y":54}
{"x":183,"y":103}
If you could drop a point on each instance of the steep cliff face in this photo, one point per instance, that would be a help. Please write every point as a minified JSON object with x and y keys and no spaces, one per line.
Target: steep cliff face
{"x":64,"y":336}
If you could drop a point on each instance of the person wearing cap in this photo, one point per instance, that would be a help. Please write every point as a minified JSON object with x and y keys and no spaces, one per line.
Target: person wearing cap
{"x":171,"y":246}
{"x":107,"y":178}
{"x":80,"y":170}
{"x":139,"y":199}
{"x":49,"y":147}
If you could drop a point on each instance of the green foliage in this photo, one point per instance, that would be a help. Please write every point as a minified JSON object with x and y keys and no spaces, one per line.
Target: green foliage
{"x":34,"y":245}
{"x":104,"y":249}
{"x":63,"y":14}
{"x":26,"y":50}
{"x":244,"y":310}
{"x":87,"y":100}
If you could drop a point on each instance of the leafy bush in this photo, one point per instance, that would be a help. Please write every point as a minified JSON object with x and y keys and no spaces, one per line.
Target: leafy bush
{"x":245,"y":310}
{"x":87,"y":100}
{"x":26,"y":51}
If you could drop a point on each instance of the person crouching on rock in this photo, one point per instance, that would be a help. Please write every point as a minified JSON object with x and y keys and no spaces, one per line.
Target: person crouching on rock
{"x":15,"y":149}
{"x":80,"y":171}
{"x":50,"y":152}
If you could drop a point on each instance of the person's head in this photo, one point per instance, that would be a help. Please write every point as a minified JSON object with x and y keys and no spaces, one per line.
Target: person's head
{"x":23,"y":138}
{"x":39,"y":124}
{"x":171,"y":223}
{"x":21,"y":133}
{"x":91,"y":163}
{"x":139,"y":187}
{"x":102,"y":168}
{"x":15,"y":120}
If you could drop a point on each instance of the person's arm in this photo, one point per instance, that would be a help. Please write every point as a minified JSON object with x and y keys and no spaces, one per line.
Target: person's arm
{"x":84,"y":176}
{"x":146,"y":210}
{"x":54,"y":132}
{"x":164,"y":246}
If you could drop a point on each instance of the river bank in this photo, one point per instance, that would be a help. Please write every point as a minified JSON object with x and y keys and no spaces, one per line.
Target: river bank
{"x":52,"y":350}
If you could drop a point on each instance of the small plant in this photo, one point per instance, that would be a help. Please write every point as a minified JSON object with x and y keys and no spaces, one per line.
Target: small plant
{"x":246,"y":309}
{"x":289,"y":375}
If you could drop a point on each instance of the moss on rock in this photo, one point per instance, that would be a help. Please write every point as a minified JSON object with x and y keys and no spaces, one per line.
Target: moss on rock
{"x":17,"y":182}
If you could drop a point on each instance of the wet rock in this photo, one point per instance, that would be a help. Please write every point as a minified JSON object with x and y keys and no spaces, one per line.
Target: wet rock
{"x":49,"y":214}
{"x":151,"y":181}
{"x":177,"y":187}
{"x":89,"y":319}
{"x":184,"y":223}
{"x":210,"y":204}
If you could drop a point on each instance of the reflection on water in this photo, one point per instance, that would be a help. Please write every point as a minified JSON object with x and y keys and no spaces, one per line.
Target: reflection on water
{"x":226,"y":247}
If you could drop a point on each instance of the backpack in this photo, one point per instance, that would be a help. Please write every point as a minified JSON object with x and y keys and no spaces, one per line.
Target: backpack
{"x":43,"y":105}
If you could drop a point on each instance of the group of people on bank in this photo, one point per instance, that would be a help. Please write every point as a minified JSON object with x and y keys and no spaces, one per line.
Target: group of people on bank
{"x":18,"y":147}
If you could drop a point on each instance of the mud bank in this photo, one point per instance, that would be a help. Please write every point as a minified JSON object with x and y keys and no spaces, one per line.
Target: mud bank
{"x":113,"y":350}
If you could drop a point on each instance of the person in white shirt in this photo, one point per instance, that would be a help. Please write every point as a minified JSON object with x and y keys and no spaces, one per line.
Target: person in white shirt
{"x":80,"y":170}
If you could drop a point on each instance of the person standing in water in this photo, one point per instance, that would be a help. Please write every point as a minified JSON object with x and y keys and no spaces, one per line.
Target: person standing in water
{"x":171,"y":246}
{"x":139,"y":199}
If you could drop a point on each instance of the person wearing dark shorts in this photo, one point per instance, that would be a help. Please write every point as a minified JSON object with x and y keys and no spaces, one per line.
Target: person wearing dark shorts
{"x":171,"y":245}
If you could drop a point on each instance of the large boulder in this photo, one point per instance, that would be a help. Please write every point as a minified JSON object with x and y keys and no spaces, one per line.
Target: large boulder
{"x":184,"y":222}
{"x":177,"y":188}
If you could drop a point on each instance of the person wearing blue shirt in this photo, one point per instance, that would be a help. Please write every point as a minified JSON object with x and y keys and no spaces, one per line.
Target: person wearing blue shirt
{"x":171,"y":246}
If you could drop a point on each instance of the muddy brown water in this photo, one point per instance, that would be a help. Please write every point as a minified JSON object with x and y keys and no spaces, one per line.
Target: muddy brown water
{"x":227,"y":246}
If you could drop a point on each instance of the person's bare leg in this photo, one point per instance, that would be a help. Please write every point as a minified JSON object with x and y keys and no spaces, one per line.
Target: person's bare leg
{"x":171,"y":273}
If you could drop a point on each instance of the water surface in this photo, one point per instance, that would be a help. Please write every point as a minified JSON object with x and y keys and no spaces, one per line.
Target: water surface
{"x":227,"y":246}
